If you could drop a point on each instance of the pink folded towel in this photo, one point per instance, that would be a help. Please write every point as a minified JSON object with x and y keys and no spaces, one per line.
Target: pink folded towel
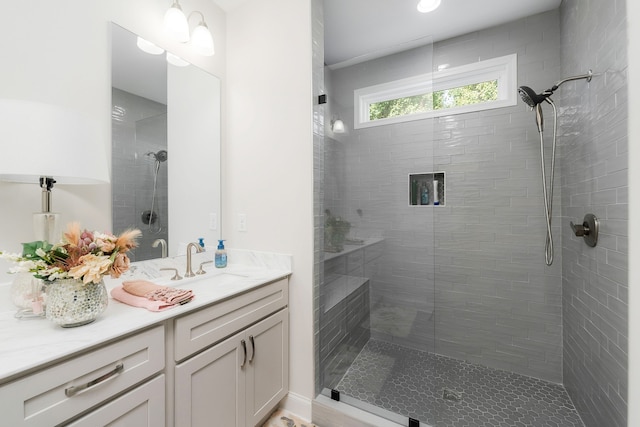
{"x":153,"y":292}
{"x":118,"y":293}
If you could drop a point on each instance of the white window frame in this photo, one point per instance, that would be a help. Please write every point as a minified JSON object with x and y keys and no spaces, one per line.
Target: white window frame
{"x":503,"y":69}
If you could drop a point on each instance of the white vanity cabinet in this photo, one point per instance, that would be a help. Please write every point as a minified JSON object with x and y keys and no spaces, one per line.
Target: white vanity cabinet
{"x":80,"y":385}
{"x":222,"y":360}
{"x":232,"y":359}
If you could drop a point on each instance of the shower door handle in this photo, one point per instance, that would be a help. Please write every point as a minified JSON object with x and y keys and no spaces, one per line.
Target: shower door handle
{"x":588,"y":229}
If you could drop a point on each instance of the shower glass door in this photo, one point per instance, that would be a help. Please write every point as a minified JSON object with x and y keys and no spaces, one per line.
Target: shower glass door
{"x":376,"y":291}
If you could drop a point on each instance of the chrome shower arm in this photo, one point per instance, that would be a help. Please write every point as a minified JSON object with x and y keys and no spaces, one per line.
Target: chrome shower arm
{"x":586,"y":77}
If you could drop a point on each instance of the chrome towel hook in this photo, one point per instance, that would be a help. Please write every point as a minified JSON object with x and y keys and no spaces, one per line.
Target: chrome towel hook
{"x":588,"y":229}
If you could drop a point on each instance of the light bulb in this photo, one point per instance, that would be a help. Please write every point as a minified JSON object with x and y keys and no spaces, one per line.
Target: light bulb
{"x":201,"y":40}
{"x":175,"y":23}
{"x":426,"y":6}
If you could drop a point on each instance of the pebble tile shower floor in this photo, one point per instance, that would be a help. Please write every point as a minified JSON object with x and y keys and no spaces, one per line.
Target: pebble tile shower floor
{"x":413,"y":383}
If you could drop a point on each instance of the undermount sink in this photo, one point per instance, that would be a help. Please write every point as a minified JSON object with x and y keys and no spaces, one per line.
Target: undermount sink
{"x":218,"y":273}
{"x":215,"y":277}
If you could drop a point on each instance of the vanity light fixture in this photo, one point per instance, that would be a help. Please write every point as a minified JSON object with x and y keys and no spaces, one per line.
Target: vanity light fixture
{"x":426,"y":6}
{"x":148,"y":47}
{"x":337,"y":126}
{"x":201,"y":38}
{"x":176,"y":24}
{"x":49,"y":144}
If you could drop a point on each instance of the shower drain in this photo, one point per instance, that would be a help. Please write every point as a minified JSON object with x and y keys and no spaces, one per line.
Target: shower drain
{"x":451,"y":395}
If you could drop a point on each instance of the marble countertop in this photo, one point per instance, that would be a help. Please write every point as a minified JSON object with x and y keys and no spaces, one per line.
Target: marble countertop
{"x":28,"y":344}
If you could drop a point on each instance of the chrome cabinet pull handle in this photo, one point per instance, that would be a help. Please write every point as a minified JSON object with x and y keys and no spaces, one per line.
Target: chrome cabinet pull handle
{"x":253,"y":348}
{"x":244,"y":348}
{"x":73,"y":390}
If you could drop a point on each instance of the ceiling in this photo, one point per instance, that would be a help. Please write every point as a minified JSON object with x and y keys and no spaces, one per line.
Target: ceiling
{"x":357,"y":30}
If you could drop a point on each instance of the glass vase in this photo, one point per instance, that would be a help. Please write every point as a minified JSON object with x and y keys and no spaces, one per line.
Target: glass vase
{"x":27,"y":294}
{"x":72,"y":303}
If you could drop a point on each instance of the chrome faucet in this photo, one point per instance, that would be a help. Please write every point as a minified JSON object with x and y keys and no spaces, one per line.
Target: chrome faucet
{"x":189,"y":272}
{"x":163,"y":244}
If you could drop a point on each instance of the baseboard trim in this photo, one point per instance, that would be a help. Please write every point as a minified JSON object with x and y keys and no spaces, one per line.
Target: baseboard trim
{"x":298,"y":405}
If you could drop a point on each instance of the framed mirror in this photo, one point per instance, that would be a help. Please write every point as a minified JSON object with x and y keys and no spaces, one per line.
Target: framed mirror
{"x":165,"y":148}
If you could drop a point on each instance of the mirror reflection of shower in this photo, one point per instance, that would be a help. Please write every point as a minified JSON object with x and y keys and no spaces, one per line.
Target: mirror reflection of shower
{"x":150,"y":217}
{"x":139,"y":126}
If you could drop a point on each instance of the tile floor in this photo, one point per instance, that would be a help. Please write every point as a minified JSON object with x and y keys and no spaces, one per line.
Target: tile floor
{"x":413,"y":383}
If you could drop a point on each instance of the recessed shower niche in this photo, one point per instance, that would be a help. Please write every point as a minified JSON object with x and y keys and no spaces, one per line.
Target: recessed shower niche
{"x":426,"y":189}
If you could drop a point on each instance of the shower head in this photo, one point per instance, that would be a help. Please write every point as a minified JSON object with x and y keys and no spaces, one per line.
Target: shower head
{"x":534,"y":101}
{"x":530,"y":97}
{"x":160,"y":156}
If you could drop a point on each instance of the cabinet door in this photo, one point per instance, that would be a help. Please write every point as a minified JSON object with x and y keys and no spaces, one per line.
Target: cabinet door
{"x":210,"y":387}
{"x":143,"y":406}
{"x":267,"y":368}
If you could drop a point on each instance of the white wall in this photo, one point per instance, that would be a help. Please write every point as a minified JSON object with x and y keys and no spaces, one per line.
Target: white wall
{"x":59,"y":53}
{"x":267,"y":157}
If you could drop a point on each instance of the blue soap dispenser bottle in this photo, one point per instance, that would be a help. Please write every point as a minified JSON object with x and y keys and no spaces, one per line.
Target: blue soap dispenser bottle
{"x":220,"y":257}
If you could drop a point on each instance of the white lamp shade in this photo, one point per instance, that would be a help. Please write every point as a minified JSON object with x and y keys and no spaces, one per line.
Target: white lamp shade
{"x":202,"y":41}
{"x":40,"y":139}
{"x":426,"y":6}
{"x":175,"y":23}
{"x":148,"y":47}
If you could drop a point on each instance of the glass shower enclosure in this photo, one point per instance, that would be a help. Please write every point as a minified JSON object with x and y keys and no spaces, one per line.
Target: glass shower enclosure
{"x":444,"y":314}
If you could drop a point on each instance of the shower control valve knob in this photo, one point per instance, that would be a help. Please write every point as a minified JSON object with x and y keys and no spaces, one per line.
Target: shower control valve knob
{"x":587,"y":230}
{"x":580,"y":230}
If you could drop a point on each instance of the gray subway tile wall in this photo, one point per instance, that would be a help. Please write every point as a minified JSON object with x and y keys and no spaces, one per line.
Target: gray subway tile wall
{"x":475,"y":267}
{"x":594,"y":163}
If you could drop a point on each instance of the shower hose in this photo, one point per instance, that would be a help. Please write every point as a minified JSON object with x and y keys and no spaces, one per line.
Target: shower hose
{"x":547,"y":193}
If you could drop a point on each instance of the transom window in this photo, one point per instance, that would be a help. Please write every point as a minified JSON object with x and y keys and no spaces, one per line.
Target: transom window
{"x":473,"y":87}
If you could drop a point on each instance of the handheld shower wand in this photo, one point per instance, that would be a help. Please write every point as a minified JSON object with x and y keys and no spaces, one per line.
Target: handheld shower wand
{"x":535,"y":100}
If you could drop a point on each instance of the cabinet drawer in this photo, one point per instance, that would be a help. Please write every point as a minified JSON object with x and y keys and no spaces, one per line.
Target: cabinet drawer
{"x":198,"y":330}
{"x":142,"y":406}
{"x":58,"y":393}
